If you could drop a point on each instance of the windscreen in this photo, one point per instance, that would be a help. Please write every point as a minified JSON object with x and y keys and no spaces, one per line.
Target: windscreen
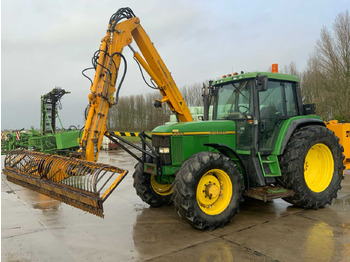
{"x":233,"y":100}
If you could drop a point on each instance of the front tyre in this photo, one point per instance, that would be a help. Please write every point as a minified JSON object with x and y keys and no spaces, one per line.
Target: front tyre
{"x":207,"y":190}
{"x":312,"y":166}
{"x":149,"y":190}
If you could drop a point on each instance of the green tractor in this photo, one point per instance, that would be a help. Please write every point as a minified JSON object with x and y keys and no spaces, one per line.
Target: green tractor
{"x":262,"y":143}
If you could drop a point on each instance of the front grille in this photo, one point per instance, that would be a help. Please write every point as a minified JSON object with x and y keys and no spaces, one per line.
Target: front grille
{"x":162,"y":141}
{"x":177,"y":150}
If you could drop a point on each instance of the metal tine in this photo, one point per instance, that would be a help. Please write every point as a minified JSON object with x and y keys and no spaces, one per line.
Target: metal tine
{"x":49,"y":169}
{"x":55,"y":169}
{"x":19,"y":162}
{"x":84,"y":176}
{"x":30,"y":164}
{"x":82,"y":173}
{"x":69,"y":170}
{"x":91,"y":170}
{"x":93,"y":179}
{"x":62,"y":166}
{"x":98,"y":180}
{"x":109,"y":178}
{"x":78,"y":174}
{"x":76,"y":170}
{"x":71,"y":167}
{"x":87,"y":174}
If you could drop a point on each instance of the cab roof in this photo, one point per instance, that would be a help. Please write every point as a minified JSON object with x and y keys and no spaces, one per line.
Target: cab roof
{"x":275,"y":76}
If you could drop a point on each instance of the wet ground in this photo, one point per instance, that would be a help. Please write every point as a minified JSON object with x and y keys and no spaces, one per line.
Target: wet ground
{"x":37,"y":228}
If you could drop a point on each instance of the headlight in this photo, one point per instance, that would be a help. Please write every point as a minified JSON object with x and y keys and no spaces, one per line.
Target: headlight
{"x":164,"y":150}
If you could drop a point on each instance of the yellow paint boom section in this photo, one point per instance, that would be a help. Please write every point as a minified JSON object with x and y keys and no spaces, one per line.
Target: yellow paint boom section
{"x":101,"y":98}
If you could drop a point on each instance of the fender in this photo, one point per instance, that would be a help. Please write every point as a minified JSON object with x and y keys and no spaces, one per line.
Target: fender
{"x":295,"y":125}
{"x":231,"y":153}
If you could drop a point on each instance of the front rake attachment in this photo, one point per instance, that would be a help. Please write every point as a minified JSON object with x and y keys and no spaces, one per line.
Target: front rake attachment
{"x":82,"y":184}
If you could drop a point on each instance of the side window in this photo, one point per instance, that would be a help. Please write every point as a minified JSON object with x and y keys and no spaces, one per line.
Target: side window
{"x":270,"y":101}
{"x":278,"y":102}
{"x":271,"y":110}
{"x":290,"y":100}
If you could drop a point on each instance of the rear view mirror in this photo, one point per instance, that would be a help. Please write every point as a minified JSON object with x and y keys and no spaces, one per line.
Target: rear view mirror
{"x":309,"y":109}
{"x":261,"y":83}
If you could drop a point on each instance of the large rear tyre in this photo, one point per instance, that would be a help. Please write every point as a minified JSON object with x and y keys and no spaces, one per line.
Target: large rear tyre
{"x":207,"y":190}
{"x":149,"y":190}
{"x":312,"y":166}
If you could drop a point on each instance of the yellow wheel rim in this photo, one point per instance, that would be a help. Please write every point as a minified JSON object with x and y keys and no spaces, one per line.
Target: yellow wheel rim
{"x":214,"y":192}
{"x":161,"y":189}
{"x":318,"y":167}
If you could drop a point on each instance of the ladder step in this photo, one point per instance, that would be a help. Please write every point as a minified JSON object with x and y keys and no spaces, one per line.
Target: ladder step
{"x":268,"y":161}
{"x":272,"y":175}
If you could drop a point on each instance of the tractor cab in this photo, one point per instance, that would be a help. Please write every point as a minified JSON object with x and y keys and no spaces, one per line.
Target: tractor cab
{"x":259,"y":103}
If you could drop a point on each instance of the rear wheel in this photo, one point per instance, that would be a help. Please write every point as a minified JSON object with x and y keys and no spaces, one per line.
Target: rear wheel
{"x":149,"y":190}
{"x":207,"y":190}
{"x":312,"y":166}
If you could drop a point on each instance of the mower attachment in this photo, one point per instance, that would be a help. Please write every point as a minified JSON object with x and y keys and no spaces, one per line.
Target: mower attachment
{"x":82,"y":184}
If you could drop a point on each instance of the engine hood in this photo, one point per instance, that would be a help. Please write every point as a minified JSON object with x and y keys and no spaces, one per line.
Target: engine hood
{"x":200,"y":127}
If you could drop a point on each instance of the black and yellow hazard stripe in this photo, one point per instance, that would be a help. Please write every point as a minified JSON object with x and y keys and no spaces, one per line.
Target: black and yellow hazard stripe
{"x":126,"y":133}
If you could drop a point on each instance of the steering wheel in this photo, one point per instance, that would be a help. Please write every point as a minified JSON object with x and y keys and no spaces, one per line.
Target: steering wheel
{"x":245,"y":107}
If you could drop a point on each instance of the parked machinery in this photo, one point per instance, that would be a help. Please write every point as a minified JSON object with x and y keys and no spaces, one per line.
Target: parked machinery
{"x":262,"y":142}
{"x":50,"y":138}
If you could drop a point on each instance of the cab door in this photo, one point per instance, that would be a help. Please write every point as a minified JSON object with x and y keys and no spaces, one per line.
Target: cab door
{"x":276,"y":104}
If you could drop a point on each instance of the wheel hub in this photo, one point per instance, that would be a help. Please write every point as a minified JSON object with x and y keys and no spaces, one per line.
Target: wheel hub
{"x":161,"y":189}
{"x":318,"y":167}
{"x":214,"y":191}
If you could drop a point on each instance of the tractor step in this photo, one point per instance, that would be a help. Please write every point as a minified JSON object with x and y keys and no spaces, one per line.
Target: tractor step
{"x":268,"y":193}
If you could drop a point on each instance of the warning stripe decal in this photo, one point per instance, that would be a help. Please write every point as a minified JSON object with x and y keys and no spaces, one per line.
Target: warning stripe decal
{"x":126,"y":133}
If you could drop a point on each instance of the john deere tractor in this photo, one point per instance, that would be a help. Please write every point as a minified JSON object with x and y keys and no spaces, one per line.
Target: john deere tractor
{"x":262,"y":143}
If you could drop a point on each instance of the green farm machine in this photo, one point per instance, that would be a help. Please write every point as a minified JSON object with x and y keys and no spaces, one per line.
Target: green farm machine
{"x":262,"y":142}
{"x":49,"y":139}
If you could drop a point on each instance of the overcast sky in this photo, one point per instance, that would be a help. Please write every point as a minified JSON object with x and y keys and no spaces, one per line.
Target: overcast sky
{"x":48,"y":43}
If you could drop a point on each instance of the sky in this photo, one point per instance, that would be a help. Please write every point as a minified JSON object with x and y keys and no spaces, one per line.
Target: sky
{"x":46,"y":44}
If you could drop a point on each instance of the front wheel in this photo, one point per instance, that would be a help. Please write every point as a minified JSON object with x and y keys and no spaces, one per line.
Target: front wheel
{"x":149,"y":190}
{"x":207,"y":190}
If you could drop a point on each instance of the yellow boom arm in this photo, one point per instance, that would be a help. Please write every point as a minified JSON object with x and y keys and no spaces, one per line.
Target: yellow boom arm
{"x":119,"y":35}
{"x":87,"y":184}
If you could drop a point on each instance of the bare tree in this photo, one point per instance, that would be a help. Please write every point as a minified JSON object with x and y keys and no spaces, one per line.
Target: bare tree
{"x":137,"y":113}
{"x":327,"y":78}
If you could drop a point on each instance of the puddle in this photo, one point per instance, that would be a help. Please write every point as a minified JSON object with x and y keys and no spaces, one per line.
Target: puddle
{"x":47,"y":206}
{"x":342,"y":201}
